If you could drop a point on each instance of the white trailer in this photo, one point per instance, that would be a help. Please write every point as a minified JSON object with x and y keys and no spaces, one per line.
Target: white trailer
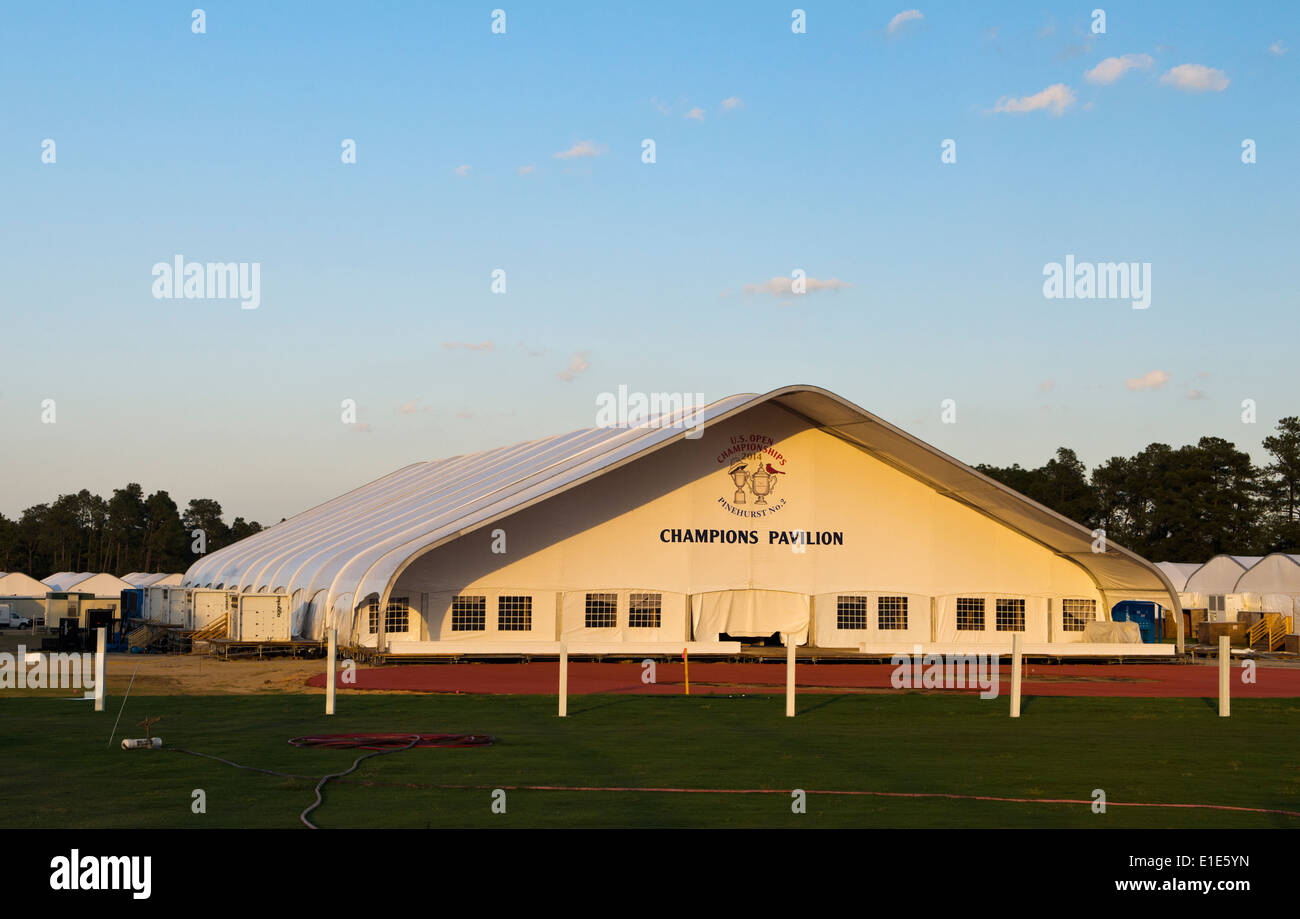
{"x":262,"y":617}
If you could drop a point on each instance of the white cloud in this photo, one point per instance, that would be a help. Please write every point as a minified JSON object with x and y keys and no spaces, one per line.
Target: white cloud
{"x":663,"y":107}
{"x":1278,"y":47}
{"x":462,"y":171}
{"x":1112,"y":68}
{"x":732,"y":102}
{"x":468,"y":346}
{"x":582,"y":148}
{"x":904,"y":17}
{"x":1056,"y":99}
{"x":696,"y":113}
{"x":527,"y":170}
{"x":1153,"y":380}
{"x":578,"y":364}
{"x":1196,"y":78}
{"x":784,"y":287}
{"x":1197,"y":394}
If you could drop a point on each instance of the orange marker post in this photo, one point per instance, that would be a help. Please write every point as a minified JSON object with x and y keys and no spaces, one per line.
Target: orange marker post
{"x":687,"y":665}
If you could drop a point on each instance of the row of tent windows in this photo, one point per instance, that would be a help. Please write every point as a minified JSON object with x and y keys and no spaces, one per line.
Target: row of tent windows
{"x":1009,"y":614}
{"x":645,"y":611}
{"x":515,"y":614}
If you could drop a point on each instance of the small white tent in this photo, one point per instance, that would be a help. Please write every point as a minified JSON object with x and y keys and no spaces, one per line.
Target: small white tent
{"x":1216,"y":583}
{"x":1272,"y":585}
{"x":24,"y":595}
{"x":87,"y":582}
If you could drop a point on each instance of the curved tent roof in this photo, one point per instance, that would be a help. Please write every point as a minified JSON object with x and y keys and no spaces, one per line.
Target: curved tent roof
{"x":17,"y":584}
{"x":64,"y":580}
{"x":1278,"y":573}
{"x":354,"y":547}
{"x":1220,"y":574}
{"x":1178,"y":572}
{"x":140,"y":579}
{"x":101,"y":585}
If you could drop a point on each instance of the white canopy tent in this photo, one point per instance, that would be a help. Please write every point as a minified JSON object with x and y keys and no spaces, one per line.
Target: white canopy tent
{"x":24,"y":595}
{"x":347,"y":556}
{"x":86,"y":582}
{"x":1272,"y":585}
{"x":1214,"y":585}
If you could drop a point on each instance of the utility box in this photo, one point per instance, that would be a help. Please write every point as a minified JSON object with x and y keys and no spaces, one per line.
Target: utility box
{"x":262,"y":617}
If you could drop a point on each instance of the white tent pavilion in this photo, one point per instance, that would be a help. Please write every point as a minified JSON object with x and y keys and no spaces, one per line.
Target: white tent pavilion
{"x":794,"y":513}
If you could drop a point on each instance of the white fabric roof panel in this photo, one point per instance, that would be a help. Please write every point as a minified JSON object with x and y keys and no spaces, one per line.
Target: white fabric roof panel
{"x":62,"y":581}
{"x":1277,"y":573}
{"x":142,"y":579}
{"x":1220,"y":574}
{"x":1178,"y":572}
{"x":358,"y":544}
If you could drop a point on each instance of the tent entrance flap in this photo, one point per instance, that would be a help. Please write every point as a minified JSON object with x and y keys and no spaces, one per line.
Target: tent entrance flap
{"x":750,"y":614}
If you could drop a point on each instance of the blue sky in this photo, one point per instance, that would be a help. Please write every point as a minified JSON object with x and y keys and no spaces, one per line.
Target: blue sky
{"x":225,"y":146}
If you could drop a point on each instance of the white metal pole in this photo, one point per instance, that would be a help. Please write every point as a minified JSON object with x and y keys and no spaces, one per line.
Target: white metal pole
{"x":100,"y":641}
{"x":1225,"y":673}
{"x":789,"y":676}
{"x":564,"y":679}
{"x":329,"y":672}
{"x":1015,"y":675}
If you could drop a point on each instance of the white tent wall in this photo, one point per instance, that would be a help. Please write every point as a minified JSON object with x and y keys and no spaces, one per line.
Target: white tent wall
{"x":672,"y":608}
{"x":1218,"y":578}
{"x":827,"y":631}
{"x":889,"y":533}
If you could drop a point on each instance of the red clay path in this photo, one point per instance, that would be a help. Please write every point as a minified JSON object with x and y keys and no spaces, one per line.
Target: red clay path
{"x":542,"y":678}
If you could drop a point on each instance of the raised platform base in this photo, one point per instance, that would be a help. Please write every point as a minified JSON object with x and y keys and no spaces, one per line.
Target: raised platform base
{"x":487,"y":647}
{"x":1029,"y":649}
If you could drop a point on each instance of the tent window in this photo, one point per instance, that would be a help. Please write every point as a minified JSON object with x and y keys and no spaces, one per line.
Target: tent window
{"x":850,"y":612}
{"x":395,"y":616}
{"x":644,"y":611}
{"x":1216,"y":603}
{"x":514,"y":614}
{"x":970,"y":614}
{"x":1076,"y":614}
{"x":891,"y":612}
{"x":468,"y":614}
{"x":1010,"y":615}
{"x":602,"y":611}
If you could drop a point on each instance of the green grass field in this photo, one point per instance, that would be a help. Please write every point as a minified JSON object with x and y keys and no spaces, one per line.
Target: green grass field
{"x":57,"y":769}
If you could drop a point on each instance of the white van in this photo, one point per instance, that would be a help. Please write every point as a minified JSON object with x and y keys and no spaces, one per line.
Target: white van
{"x":11,"y":620}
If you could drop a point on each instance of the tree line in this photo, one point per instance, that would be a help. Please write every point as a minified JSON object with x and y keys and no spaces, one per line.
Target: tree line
{"x":1182,"y":504}
{"x":127,"y":532}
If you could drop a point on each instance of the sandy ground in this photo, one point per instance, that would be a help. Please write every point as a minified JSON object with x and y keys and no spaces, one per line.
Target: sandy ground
{"x":196,"y":674}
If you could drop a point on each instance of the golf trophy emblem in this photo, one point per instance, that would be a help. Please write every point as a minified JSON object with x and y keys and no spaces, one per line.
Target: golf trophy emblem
{"x":761,"y":482}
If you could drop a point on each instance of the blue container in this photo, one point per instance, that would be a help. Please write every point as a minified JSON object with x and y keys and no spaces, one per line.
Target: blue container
{"x":1141,"y":612}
